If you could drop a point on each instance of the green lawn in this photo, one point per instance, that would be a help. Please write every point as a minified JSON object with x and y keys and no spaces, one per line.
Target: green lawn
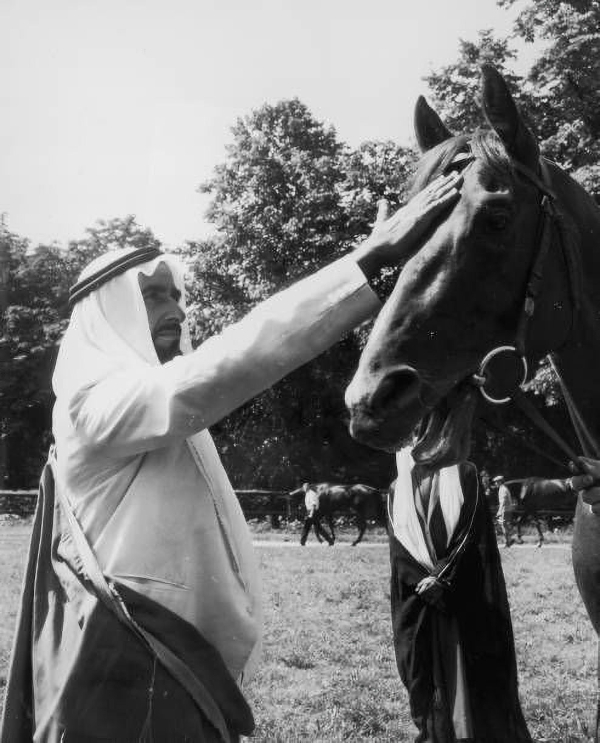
{"x":14,"y":538}
{"x":328,"y":672}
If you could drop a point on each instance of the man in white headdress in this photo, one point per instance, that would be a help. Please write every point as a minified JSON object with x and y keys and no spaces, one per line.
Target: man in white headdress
{"x":154,"y":618}
{"x":452,"y":629}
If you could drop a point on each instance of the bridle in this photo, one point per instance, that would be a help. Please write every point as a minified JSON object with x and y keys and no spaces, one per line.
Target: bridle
{"x":549,"y":224}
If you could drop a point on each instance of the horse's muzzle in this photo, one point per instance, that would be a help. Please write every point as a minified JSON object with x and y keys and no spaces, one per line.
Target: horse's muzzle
{"x":384,"y":410}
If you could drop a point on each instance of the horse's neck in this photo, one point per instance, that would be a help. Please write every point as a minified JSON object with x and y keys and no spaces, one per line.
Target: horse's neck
{"x":578,"y":365}
{"x":578,"y":362}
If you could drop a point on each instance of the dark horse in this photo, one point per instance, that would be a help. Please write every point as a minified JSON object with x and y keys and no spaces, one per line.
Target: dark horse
{"x":462,"y":295}
{"x":538,"y":496}
{"x":363,"y":501}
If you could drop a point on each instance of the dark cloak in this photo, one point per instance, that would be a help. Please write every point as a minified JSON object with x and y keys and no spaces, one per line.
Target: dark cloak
{"x":474,"y":602}
{"x":78,"y":673}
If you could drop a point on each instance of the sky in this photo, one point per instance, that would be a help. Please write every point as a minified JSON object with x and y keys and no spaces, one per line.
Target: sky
{"x":115,"y":107}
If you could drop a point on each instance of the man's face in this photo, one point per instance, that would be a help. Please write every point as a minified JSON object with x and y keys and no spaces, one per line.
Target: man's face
{"x":165,"y":316}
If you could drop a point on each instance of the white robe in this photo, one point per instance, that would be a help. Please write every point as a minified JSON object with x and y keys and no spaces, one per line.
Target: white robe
{"x":134,"y":455}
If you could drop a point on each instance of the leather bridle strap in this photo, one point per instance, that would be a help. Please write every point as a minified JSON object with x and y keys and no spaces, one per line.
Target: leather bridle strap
{"x":544,"y":240}
{"x":523,"y":440}
{"x":543,"y":183}
{"x":548,"y":220}
{"x":534,"y":415}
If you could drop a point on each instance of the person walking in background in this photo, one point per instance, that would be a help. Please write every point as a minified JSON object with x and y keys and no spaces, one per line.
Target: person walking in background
{"x":313,"y":518}
{"x":155,"y":618}
{"x":505,"y":511}
{"x":451,"y":621}
{"x":488,"y":491}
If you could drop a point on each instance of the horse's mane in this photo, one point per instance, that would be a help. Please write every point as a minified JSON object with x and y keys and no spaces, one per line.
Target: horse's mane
{"x":484,"y":144}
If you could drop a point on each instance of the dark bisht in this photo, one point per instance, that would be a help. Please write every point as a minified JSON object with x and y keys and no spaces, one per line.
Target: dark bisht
{"x":83,"y":669}
{"x":473,"y":612}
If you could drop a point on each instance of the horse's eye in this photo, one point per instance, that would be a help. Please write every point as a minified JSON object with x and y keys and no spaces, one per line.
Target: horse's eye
{"x":496,"y":220}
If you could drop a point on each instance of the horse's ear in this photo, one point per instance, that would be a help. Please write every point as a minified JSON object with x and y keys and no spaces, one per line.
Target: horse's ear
{"x":430,"y":130}
{"x":504,"y":117}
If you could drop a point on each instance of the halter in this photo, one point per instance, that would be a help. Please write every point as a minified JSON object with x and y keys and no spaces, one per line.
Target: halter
{"x":507,"y":354}
{"x":546,"y":223}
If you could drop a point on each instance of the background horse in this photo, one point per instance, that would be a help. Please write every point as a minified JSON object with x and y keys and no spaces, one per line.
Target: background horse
{"x":538,"y":496}
{"x":362,"y":501}
{"x":513,"y":262}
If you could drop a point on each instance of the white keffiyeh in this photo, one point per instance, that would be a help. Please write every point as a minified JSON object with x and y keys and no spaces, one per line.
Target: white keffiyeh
{"x":109,"y":330}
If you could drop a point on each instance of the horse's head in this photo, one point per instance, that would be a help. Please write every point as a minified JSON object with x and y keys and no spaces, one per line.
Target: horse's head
{"x":462,"y":293}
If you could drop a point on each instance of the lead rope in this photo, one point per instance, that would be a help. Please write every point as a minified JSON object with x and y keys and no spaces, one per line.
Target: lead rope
{"x":588,"y":442}
{"x":518,"y":437}
{"x":534,"y":415}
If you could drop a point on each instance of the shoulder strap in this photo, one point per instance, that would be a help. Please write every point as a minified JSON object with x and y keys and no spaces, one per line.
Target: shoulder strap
{"x":109,"y":596}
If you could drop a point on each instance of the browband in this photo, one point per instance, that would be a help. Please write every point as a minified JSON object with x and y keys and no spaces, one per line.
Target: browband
{"x":84,"y":287}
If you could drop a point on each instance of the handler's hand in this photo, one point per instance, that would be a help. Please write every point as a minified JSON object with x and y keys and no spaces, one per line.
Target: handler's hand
{"x":588,"y":480}
{"x":395,"y":238}
{"x":430,"y":590}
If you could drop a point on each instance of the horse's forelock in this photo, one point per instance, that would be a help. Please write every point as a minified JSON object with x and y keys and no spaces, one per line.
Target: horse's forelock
{"x":435,"y":161}
{"x":484,"y":144}
{"x":487,"y":146}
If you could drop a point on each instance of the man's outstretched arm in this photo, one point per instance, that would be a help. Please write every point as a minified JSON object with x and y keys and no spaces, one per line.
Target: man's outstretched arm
{"x":142,"y":409}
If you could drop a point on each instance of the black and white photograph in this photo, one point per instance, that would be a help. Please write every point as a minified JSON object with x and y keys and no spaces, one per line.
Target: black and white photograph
{"x":299,"y":360}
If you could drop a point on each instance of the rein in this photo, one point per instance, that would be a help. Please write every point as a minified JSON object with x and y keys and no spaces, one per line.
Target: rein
{"x":547,"y":224}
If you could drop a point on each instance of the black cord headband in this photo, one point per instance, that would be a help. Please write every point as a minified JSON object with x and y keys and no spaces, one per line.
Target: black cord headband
{"x":86,"y":286}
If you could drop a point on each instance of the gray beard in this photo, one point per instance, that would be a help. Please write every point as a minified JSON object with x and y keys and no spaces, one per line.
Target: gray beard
{"x":169,"y":354}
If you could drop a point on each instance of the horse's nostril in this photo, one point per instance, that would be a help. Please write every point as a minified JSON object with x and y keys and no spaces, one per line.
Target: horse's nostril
{"x":400,"y":386}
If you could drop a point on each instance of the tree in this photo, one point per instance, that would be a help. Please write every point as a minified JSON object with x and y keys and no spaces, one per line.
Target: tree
{"x":455,"y":87}
{"x":32,"y":326}
{"x":565,"y":78}
{"x":29,"y":333}
{"x":373,"y":171}
{"x":276,"y":199}
{"x":289,"y":199}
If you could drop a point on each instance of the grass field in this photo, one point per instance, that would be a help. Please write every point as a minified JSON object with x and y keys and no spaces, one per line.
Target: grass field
{"x":328,"y":672}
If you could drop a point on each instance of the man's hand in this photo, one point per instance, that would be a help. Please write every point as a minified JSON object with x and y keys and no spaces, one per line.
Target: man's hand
{"x":395,"y":238}
{"x":588,"y":480}
{"x":430,"y":590}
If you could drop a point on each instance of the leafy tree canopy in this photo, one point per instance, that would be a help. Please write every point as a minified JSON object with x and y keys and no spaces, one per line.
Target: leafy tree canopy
{"x":30,"y":330}
{"x":289,"y":199}
{"x":455,"y":88}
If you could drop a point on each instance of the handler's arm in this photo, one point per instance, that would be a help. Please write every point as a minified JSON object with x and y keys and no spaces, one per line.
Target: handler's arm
{"x":139,"y":410}
{"x":589,"y":473}
{"x":587,"y":481}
